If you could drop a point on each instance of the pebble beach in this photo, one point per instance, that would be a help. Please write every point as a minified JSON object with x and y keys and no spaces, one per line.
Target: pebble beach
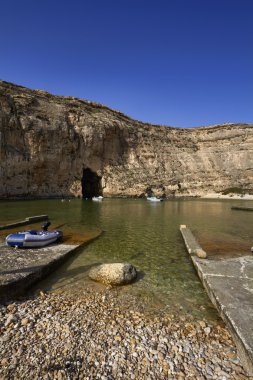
{"x":100,"y":335}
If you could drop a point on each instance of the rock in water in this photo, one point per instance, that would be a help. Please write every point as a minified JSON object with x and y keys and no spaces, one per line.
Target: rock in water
{"x":200,"y":253}
{"x":114,"y":274}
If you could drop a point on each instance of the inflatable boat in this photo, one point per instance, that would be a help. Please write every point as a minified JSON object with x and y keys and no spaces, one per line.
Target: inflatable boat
{"x":34,"y":238}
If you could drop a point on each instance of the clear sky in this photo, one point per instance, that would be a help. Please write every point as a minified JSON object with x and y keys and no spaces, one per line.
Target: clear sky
{"x":175,"y":62}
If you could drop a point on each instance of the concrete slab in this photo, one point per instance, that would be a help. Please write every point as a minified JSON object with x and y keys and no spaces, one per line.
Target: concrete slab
{"x":191,"y":243}
{"x":20,"y":268}
{"x":27,"y":221}
{"x":229,"y":284}
{"x":242,"y":208}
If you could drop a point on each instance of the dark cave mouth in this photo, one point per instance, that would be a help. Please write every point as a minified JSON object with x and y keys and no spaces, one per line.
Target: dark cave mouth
{"x":91,"y":184}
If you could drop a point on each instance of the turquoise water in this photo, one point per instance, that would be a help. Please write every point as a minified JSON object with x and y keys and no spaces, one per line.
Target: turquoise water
{"x":147,"y":235}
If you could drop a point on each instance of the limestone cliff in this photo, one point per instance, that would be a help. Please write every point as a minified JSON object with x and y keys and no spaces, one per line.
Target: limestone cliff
{"x":63,"y":146}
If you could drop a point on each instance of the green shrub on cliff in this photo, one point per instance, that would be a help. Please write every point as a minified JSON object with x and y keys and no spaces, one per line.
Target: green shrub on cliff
{"x":234,"y":190}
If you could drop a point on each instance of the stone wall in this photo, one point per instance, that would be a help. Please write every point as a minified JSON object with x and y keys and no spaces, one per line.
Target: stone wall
{"x":47,"y":141}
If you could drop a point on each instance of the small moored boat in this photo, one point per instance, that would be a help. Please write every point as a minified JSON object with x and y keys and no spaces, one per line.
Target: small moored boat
{"x":34,"y":238}
{"x":97,"y":199}
{"x":154,"y":199}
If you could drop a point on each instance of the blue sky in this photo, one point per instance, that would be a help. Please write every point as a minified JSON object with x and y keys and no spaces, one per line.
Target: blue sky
{"x":177,"y":62}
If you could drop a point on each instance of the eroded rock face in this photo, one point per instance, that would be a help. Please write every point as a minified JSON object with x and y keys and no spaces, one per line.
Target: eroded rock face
{"x":47,"y":142}
{"x":114,"y":274}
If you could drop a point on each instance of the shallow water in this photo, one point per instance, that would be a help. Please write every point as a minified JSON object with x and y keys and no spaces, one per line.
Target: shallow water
{"x":147,"y":235}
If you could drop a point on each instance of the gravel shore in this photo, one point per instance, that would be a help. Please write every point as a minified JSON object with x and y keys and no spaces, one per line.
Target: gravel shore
{"x":98,"y":335}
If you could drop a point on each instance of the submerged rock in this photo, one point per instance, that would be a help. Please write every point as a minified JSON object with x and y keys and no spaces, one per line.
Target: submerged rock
{"x":200,"y":253}
{"x":114,"y":274}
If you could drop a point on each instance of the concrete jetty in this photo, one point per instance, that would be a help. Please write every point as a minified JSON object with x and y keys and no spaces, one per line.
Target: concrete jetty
{"x":229,"y":284}
{"x":29,"y":220}
{"x":21,"y":268}
{"x":242,"y":208}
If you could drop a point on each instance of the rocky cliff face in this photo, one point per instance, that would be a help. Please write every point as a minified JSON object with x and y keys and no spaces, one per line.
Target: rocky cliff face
{"x":64,"y":146}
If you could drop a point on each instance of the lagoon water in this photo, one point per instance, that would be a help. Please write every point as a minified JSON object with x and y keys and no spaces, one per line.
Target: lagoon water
{"x":147,"y":235}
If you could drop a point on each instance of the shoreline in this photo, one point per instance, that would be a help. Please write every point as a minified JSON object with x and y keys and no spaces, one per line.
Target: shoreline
{"x":101,"y":336}
{"x":246,"y":197}
{"x":230,"y":196}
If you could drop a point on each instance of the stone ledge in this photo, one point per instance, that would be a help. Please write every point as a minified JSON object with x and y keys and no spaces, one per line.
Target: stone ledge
{"x":21,"y":268}
{"x":29,"y":220}
{"x":229,"y":284}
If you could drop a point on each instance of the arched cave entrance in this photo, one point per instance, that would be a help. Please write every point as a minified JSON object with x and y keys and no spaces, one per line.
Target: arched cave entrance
{"x":91,"y":184}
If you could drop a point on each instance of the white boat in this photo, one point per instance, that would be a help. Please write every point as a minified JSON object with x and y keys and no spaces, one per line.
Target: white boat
{"x":154,"y":199}
{"x":97,"y":199}
{"x":33,"y":238}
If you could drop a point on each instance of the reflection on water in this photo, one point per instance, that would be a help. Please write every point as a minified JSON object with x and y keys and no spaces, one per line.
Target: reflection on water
{"x":147,"y":235}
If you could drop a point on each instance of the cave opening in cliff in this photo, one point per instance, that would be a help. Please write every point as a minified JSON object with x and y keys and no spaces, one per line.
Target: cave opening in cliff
{"x":91,"y":184}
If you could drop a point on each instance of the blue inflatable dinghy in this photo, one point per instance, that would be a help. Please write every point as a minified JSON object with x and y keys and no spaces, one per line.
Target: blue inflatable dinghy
{"x":33,"y":238}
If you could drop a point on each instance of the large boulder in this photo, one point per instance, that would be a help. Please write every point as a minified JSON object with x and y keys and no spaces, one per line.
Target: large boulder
{"x":114,"y":274}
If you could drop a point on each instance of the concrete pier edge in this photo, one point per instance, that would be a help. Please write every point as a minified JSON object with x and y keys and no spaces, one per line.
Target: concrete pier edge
{"x":17,"y":288}
{"x":17,"y":285}
{"x":27,"y":221}
{"x":242,"y":208}
{"x":241,"y":334}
